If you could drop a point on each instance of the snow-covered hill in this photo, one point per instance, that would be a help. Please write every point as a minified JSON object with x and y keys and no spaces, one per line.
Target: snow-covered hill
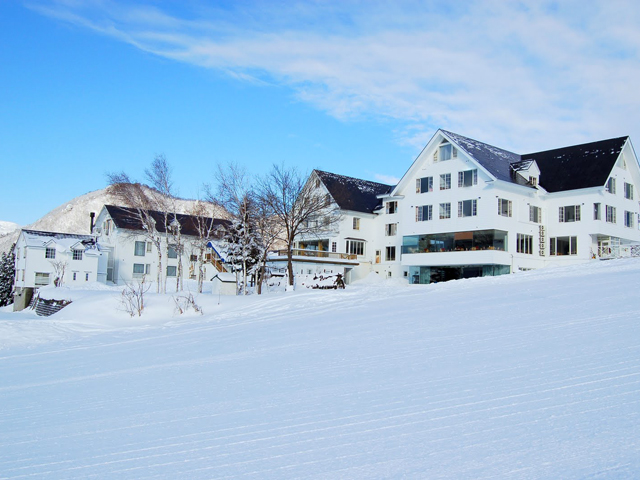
{"x":531,"y":375}
{"x":7,"y":227}
{"x":73,"y":216}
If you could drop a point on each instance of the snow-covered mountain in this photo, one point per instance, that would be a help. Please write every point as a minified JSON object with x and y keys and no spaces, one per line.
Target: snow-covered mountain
{"x":73,"y":216}
{"x":7,"y":227}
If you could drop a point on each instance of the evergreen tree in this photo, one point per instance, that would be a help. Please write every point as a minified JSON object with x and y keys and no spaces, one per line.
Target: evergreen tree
{"x":242,"y":247}
{"x":7,"y":276}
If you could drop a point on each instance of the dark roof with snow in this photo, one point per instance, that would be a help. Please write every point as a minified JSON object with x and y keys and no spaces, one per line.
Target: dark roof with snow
{"x":579,"y":166}
{"x":353,"y":193}
{"x":127,"y":218}
{"x":567,"y":168}
{"x":495,"y":160}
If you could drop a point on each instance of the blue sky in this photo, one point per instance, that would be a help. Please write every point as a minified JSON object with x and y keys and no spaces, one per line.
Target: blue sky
{"x":353,"y":87}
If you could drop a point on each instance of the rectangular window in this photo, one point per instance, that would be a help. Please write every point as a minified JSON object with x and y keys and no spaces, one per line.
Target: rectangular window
{"x":392,"y":207}
{"x":628,"y":191}
{"x":355,"y":247}
{"x":504,"y":207}
{"x":334,"y":247}
{"x":468,"y":178}
{"x":50,"y":253}
{"x":611,"y":214}
{"x":456,"y":241}
{"x":535,"y":214}
{"x":77,"y":254}
{"x":468,"y":208}
{"x":172,"y":271}
{"x":424,"y":185}
{"x":149,"y":246}
{"x":445,"y":210}
{"x":356,"y":223}
{"x":171,"y":252}
{"x":391,"y":254}
{"x":424,"y":213}
{"x":611,"y":185}
{"x":597,"y":214}
{"x":390,"y":229}
{"x":193,"y":258}
{"x":563,"y":246}
{"x":533,"y":180}
{"x":86,"y":277}
{"x":447,"y":152}
{"x":139,"y":249}
{"x":147,"y":269}
{"x":570,"y":213}
{"x":75,"y":276}
{"x":445,"y":181}
{"x":42,"y":279}
{"x":524,"y":243}
{"x":138,"y":269}
{"x":628,"y":219}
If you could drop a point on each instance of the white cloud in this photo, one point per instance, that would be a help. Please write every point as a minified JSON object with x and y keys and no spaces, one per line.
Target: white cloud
{"x":388,"y":179}
{"x":525,"y":76}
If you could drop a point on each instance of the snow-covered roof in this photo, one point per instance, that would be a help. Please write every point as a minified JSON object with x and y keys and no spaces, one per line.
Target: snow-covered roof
{"x":352,"y":193}
{"x":225,"y":277}
{"x":62,"y":241}
{"x":495,"y":160}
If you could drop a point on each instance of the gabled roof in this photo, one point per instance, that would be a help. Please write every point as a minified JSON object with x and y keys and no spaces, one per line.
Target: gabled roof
{"x":353,"y":193}
{"x":495,"y":160}
{"x":579,"y":166}
{"x":127,"y":219}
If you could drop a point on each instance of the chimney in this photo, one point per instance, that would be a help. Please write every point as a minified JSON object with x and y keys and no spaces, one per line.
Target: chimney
{"x":92,"y":215}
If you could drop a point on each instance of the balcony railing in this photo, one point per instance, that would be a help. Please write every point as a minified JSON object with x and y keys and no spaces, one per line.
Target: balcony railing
{"x":619,"y":251}
{"x":298,"y":252}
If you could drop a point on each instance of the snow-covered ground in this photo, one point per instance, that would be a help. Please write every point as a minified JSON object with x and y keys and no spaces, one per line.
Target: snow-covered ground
{"x":532,"y":375}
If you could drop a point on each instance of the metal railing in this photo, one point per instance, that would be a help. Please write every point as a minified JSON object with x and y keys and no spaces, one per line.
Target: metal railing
{"x":298,"y":252}
{"x":619,"y":251}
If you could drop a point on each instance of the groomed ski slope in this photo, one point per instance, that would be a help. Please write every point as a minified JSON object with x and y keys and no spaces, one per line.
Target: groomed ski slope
{"x":532,"y":375}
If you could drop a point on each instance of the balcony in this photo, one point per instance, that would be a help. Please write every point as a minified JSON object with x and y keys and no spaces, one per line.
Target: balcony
{"x":320,"y":255}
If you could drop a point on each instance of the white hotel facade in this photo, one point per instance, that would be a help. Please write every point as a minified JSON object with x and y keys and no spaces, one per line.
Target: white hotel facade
{"x":465,"y":209}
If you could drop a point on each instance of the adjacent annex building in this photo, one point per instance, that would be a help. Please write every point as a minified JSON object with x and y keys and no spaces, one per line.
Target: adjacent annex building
{"x":465,"y":209}
{"x":44,"y":258}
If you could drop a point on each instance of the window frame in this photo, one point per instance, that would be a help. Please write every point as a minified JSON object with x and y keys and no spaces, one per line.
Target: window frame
{"x":524,"y":243}
{"x":356,"y":223}
{"x":139,"y":249}
{"x":565,"y":217}
{"x":535,"y":214}
{"x":502,"y":202}
{"x":355,"y":247}
{"x":473,"y":207}
{"x":597,"y":211}
{"x":445,"y":211}
{"x":390,"y":229}
{"x":611,"y":214}
{"x":392,"y":207}
{"x":628,"y":191}
{"x":610,"y":186}
{"x":173,"y":269}
{"x":390,"y":254}
{"x":462,"y":178}
{"x":445,"y":181}
{"x":49,"y":253}
{"x":628,"y":219}
{"x":572,"y":246}
{"x":426,"y":182}
{"x":420,"y":213}
{"x":77,"y":254}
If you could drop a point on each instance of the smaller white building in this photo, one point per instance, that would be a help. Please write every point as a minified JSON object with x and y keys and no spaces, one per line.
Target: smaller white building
{"x":46,"y":258}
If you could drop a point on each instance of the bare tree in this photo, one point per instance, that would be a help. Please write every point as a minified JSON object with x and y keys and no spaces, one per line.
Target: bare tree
{"x":59,"y":268}
{"x":300,"y":207}
{"x":235,"y":193}
{"x":202,"y":214}
{"x":140,"y":203}
{"x":159,"y":176}
{"x":269,"y":231}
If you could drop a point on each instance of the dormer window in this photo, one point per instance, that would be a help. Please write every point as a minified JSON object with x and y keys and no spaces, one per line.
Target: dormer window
{"x":533,"y":181}
{"x":611,"y":185}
